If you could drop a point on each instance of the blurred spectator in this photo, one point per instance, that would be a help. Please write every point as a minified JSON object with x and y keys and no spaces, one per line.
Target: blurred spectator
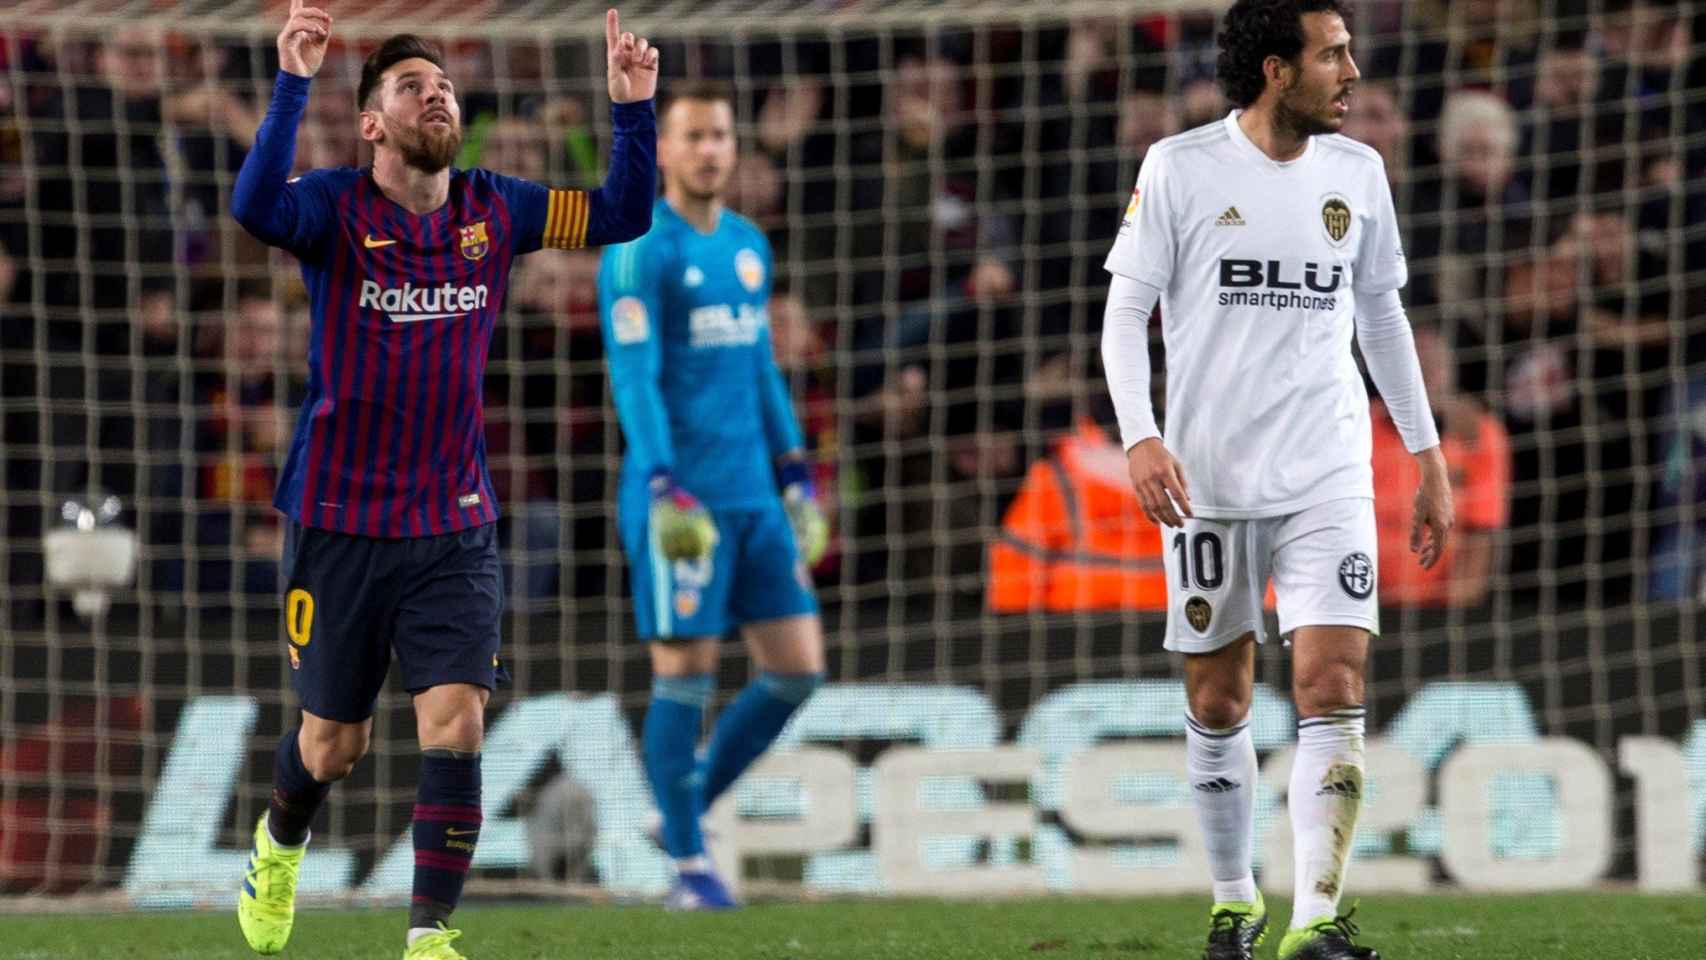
{"x":108,"y":159}
{"x":247,"y":426}
{"x":1573,"y":130}
{"x":106,"y":239}
{"x":516,"y":146}
{"x":932,"y":248}
{"x":789,"y":116}
{"x":214,"y":129}
{"x":1453,"y":44}
{"x":1467,"y":218}
{"x":800,"y":355}
{"x":808,"y":187}
{"x":937,"y":230}
{"x":215,"y":530}
{"x":1679,"y":544}
{"x":1075,"y":539}
{"x":755,"y":190}
{"x":544,"y":393}
{"x":1202,"y":103}
{"x":1377,"y":120}
{"x":1477,"y":454}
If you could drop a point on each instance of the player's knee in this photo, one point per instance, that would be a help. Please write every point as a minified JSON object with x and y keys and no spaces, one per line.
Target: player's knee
{"x":461,"y":729}
{"x":794,"y":688}
{"x":332,"y":758}
{"x":1327,"y":687}
{"x":1219,"y":707}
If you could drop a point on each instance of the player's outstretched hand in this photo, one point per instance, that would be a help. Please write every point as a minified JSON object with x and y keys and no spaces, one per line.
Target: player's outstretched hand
{"x":302,"y":42}
{"x":683,"y":527}
{"x":1435,"y":512}
{"x":632,"y":63}
{"x":1159,"y":482}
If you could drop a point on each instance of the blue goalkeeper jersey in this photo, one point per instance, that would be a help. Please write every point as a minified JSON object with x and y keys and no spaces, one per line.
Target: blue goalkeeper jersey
{"x":687,"y":334}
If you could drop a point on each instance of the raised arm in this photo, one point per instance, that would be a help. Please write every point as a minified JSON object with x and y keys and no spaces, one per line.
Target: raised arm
{"x":261,"y":200}
{"x":621,"y":209}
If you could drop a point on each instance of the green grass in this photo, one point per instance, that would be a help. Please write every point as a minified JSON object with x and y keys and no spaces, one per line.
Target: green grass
{"x":1599,"y":926}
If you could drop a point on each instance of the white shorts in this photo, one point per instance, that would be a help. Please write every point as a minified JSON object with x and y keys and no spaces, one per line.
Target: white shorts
{"x":1322,"y":561}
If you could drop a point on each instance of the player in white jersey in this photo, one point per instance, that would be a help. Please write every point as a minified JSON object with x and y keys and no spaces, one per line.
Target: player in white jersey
{"x":1269,"y":241}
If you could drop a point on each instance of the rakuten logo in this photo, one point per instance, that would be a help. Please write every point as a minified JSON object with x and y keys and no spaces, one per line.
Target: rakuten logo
{"x":411,"y":304}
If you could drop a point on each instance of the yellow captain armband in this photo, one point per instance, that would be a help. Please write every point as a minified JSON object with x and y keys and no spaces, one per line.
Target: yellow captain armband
{"x":566,"y":216}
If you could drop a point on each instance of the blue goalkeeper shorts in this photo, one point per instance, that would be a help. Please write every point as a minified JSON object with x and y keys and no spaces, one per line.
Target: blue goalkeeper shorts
{"x":754,"y":574}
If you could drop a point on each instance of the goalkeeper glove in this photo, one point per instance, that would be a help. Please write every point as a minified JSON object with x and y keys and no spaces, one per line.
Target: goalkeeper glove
{"x":799,"y":501}
{"x":681,"y":524}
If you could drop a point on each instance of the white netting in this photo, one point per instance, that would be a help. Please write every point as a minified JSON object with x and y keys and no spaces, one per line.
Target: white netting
{"x":940,"y":183}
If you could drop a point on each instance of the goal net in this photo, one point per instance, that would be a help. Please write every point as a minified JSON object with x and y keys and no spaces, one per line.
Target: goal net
{"x":940,"y":183}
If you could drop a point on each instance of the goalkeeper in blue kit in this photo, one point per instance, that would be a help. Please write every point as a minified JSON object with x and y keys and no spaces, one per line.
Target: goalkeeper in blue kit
{"x":716,"y":508}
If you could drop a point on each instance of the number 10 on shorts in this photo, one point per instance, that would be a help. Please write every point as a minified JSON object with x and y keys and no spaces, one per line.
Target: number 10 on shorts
{"x":298,"y":622}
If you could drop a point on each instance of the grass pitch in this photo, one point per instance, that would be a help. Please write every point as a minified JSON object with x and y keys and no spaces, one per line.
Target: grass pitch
{"x":1597,"y":926}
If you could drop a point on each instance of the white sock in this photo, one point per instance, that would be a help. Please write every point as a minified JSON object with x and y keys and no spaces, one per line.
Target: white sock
{"x":415,"y":933}
{"x":1221,"y":765}
{"x":698,"y":864}
{"x":1325,"y":798}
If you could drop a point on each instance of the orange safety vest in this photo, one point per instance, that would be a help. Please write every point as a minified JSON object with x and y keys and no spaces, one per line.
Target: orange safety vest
{"x":1076,"y":538}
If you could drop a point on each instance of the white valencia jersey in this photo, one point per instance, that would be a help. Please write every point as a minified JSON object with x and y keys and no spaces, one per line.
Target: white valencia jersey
{"x":1257,"y":262}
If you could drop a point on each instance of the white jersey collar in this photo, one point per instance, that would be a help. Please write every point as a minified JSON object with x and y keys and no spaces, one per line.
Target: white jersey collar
{"x":1244,"y":143}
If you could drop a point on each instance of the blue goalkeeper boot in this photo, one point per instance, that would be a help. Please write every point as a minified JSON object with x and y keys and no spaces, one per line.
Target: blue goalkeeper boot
{"x":699,"y":890}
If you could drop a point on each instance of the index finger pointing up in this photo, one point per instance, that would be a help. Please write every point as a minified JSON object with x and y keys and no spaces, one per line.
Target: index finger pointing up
{"x":612,"y":28}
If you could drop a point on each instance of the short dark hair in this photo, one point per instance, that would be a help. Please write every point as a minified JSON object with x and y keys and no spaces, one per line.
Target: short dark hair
{"x":1255,"y":30}
{"x":254,"y":289}
{"x":403,"y":46}
{"x":707,"y":91}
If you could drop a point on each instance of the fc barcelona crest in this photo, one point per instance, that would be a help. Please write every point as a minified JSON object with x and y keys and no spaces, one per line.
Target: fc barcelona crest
{"x":1336,"y":217}
{"x":475,"y":243}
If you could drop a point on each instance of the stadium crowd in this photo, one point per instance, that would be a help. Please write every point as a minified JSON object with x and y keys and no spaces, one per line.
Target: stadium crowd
{"x":940,"y":207}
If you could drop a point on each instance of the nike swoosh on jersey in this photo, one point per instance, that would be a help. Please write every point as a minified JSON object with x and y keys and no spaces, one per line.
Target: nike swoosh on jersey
{"x":371,"y":243}
{"x":453,"y":832}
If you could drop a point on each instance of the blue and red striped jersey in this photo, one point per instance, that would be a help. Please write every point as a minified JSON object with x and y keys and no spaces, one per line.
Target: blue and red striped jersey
{"x":390,"y":441}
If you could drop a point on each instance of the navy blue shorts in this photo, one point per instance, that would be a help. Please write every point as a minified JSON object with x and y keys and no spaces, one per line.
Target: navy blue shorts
{"x":350,"y":601}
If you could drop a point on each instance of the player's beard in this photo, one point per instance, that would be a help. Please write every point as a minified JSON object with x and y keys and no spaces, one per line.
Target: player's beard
{"x":424,"y":149}
{"x":706,"y":189}
{"x":1301,"y":116}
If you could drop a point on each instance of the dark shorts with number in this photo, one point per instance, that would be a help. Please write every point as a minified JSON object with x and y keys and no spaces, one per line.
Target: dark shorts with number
{"x":350,"y":601}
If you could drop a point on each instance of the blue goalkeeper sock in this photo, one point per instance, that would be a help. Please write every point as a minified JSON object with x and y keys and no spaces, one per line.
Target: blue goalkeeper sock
{"x":749,"y":725}
{"x":670,"y":736}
